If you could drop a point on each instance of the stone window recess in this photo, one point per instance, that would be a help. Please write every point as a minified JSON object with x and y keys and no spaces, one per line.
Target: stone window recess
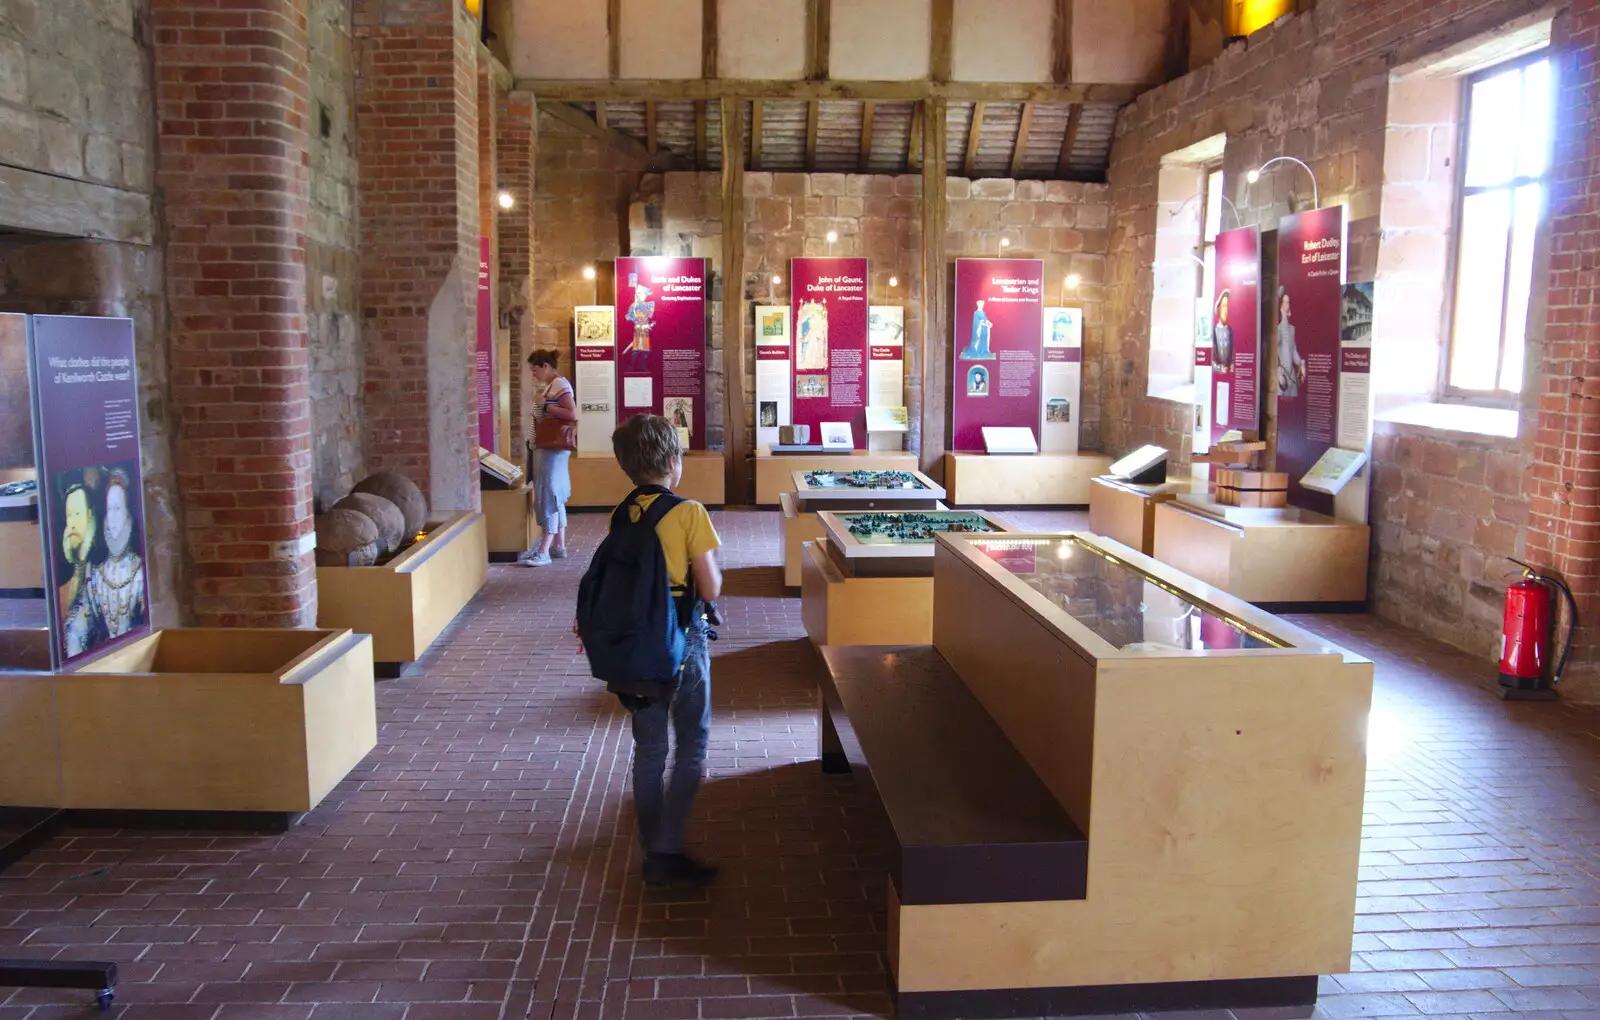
{"x":1506,"y":149}
{"x":1190,"y":201}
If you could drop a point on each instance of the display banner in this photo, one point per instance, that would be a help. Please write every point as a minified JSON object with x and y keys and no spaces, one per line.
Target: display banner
{"x":661,"y":342}
{"x":828,"y":313}
{"x":1355,"y":367}
{"x":886,"y":379}
{"x":1236,"y":333}
{"x":999,"y":336}
{"x":484,"y":359}
{"x":774,"y":373}
{"x":1062,"y":379}
{"x":1201,"y":435}
{"x":594,"y":375}
{"x":1308,"y":309}
{"x":91,"y":488}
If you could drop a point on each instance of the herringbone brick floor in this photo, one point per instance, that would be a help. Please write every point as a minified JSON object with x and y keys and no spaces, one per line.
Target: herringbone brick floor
{"x":479,"y":864}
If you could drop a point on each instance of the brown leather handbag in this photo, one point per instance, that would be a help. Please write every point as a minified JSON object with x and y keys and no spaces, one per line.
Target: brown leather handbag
{"x":552,"y":433}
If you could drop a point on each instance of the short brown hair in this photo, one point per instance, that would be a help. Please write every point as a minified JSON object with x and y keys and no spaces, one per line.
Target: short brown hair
{"x":545,"y":357}
{"x":645,"y":445}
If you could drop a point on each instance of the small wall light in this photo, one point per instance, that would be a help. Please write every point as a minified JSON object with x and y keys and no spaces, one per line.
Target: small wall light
{"x":1005,"y":242}
{"x":1254,"y":176}
{"x":894,"y":281}
{"x":506,"y":199}
{"x":776,"y":279}
{"x":833,"y":235}
{"x":588,"y":272}
{"x":1073,"y":279}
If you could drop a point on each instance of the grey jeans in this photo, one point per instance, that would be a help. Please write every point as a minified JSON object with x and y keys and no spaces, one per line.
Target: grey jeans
{"x":664,"y":811}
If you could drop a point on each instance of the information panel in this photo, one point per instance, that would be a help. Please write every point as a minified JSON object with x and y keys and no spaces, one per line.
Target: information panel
{"x":483,"y":361}
{"x":1236,"y":333}
{"x":886,"y":388}
{"x":91,"y":487}
{"x":661,"y":342}
{"x":999,"y":339}
{"x":828,"y":316}
{"x":1062,"y":375}
{"x":774,"y":373}
{"x":594,"y":375}
{"x":1308,"y":308}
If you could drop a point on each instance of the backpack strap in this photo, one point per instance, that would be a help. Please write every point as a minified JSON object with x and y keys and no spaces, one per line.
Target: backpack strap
{"x":665,"y":500}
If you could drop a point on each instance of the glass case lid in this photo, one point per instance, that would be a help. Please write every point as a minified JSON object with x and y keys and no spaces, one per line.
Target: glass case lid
{"x":1120,"y":604}
{"x":911,"y":527}
{"x":847,"y":480}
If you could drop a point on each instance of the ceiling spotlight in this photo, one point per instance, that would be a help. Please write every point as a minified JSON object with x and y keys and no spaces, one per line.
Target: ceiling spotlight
{"x":588,"y":272}
{"x":833,"y":235}
{"x":506,"y":199}
{"x":1073,"y":279}
{"x":894,"y":281}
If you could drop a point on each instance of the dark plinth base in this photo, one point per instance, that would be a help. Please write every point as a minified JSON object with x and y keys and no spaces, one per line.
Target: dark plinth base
{"x":1512,"y":689}
{"x":1288,"y":608}
{"x":93,"y":976}
{"x":503,"y":557}
{"x":835,"y":763}
{"x":389,"y":670}
{"x":1258,"y":993}
{"x":270,"y":822}
{"x":21,"y":593}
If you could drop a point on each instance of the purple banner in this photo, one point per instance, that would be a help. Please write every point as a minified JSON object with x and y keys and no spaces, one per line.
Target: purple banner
{"x":1307,"y":312}
{"x":91,"y":490}
{"x":828,"y":306}
{"x":1236,"y":333}
{"x":661,"y":342}
{"x":485,"y":355}
{"x":999,"y":337}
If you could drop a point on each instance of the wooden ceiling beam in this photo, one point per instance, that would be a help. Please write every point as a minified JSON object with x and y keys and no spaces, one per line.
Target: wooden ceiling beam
{"x":702,"y":151}
{"x":940,"y":47}
{"x":600,"y":113}
{"x":709,"y":31}
{"x":869,"y":111}
{"x":1020,"y":149}
{"x":974,"y":136}
{"x":811,"y":135}
{"x":614,"y":38}
{"x":1061,"y":46}
{"x":1069,"y":141}
{"x":576,"y":118}
{"x":639,"y":89}
{"x":758,"y":116}
{"x":650,"y":126}
{"x":914,"y":140}
{"x":819,"y":38}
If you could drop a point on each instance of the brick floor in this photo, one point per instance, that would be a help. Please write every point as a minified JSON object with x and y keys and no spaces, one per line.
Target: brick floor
{"x":480,"y":864}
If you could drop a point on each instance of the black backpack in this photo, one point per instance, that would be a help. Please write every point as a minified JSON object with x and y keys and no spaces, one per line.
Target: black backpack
{"x":632,"y":627}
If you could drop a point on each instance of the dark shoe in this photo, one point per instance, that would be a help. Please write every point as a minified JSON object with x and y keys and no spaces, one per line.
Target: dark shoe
{"x":677,"y":869}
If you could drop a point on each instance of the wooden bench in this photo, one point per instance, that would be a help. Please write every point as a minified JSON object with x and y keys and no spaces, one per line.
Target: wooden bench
{"x":971,"y":821}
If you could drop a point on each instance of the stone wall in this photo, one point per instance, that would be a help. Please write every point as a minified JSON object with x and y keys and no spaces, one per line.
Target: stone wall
{"x":75,"y":91}
{"x":333,"y":278}
{"x":1446,"y":507}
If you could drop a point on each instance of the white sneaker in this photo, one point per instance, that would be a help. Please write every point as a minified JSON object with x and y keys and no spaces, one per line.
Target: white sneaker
{"x":537,"y":560}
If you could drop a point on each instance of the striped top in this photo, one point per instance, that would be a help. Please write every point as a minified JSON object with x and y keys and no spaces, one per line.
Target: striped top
{"x":558,"y":388}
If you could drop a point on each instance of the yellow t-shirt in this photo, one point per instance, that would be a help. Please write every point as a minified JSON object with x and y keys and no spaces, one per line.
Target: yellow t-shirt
{"x":685,"y":532}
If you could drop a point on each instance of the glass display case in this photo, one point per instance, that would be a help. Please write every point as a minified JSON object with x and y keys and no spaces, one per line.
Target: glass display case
{"x":866,"y":490}
{"x":894,"y":543}
{"x":1122,"y":605}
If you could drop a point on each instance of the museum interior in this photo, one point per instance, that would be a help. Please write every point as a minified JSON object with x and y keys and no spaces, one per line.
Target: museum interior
{"x":1154,"y":448}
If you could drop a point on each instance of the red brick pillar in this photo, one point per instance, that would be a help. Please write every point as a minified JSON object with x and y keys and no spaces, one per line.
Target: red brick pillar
{"x":417,"y":117}
{"x":517,"y":118}
{"x":232,"y":106}
{"x":1564,"y":504}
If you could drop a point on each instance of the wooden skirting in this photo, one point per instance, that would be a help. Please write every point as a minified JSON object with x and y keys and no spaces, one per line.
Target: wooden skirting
{"x":1124,"y":513}
{"x":598,"y":482}
{"x":407,"y":602}
{"x":840,"y":610}
{"x":509,"y":524}
{"x":1041,"y":479}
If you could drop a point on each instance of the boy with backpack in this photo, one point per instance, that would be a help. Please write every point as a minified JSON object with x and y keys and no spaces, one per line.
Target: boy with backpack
{"x":643,"y":609}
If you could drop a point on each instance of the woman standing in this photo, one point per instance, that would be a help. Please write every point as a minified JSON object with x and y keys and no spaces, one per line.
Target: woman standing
{"x":547,"y":467}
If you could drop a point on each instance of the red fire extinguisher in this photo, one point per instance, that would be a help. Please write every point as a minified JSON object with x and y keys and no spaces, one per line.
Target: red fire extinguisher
{"x":1525,"y":635}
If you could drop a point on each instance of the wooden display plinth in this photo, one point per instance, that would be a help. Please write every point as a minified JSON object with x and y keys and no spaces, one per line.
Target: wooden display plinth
{"x":30,"y":757}
{"x":775,"y":472}
{"x":796,"y":528}
{"x":406,"y":603}
{"x":1220,"y":790}
{"x":841,"y":610}
{"x":21,"y":559}
{"x":195,"y":720}
{"x":508,"y":520}
{"x":1125,"y":512}
{"x":1315,"y":559}
{"x":598,"y":482}
{"x":1040,"y":479}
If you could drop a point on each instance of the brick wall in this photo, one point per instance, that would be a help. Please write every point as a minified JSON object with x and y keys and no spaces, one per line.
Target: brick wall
{"x":1446,"y":507}
{"x":232,"y":104}
{"x":333,"y":278}
{"x":516,"y":148}
{"x":75,"y":91}
{"x":418,"y":135}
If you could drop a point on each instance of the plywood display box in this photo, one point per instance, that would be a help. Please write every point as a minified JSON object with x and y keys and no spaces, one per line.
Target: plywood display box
{"x":508,"y":519}
{"x":1125,"y":512}
{"x":1039,"y":479}
{"x":406,"y":603}
{"x":598,"y":481}
{"x":775,"y":472}
{"x":1313,"y":559}
{"x":226,"y":720}
{"x":1213,"y":755}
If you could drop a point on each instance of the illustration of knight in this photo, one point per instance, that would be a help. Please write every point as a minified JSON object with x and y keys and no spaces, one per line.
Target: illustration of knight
{"x":641,"y":314}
